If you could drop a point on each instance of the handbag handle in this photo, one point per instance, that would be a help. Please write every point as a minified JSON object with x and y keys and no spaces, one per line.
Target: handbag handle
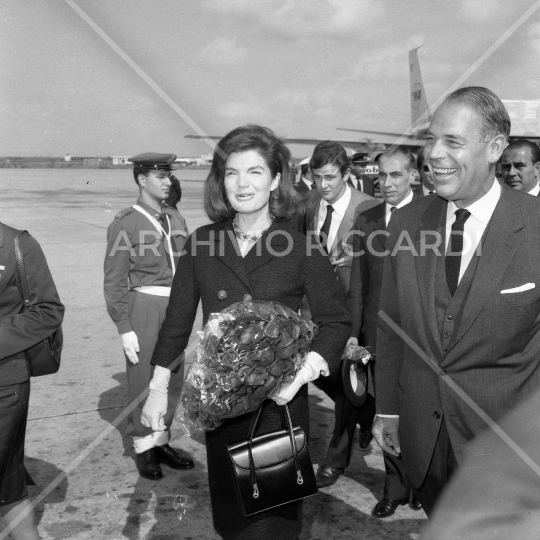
{"x":22,"y":271}
{"x":252,"y":472}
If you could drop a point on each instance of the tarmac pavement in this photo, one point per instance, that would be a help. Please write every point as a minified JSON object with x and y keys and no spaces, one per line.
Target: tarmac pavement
{"x":88,"y":487}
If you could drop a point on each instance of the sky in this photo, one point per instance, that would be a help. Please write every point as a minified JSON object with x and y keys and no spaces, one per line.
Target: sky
{"x":300,"y":67}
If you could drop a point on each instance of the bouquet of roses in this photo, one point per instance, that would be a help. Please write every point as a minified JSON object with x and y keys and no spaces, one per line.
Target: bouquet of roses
{"x":247,"y":353}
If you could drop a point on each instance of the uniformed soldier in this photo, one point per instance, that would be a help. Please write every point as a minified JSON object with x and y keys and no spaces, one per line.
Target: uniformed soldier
{"x":143,"y":245}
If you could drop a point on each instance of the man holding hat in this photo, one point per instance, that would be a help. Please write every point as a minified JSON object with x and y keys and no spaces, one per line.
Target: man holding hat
{"x":143,"y":245}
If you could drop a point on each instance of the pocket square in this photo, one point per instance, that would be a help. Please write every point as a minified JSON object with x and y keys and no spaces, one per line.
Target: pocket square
{"x":526,"y":287}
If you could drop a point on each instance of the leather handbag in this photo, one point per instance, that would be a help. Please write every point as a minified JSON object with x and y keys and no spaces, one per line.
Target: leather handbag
{"x":272,"y":469}
{"x":44,"y":357}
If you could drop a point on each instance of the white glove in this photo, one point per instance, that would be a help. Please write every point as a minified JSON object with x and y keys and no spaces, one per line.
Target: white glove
{"x":156,"y":403}
{"x":130,"y":343}
{"x":314,"y":366}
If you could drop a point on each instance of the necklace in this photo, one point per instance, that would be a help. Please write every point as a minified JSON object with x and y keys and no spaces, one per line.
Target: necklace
{"x":248,"y":237}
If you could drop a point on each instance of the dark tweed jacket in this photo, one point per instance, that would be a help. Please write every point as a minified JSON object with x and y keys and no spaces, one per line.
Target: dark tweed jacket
{"x":277,"y":268}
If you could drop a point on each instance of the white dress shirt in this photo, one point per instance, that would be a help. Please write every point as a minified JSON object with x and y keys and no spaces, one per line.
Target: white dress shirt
{"x":534,"y":191}
{"x":475,"y":226}
{"x":340,"y":207}
{"x":388,"y":210}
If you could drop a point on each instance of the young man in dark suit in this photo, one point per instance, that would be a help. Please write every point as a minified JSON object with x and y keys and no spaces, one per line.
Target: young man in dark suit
{"x":330,"y":215}
{"x":397,"y":171}
{"x":462,"y":282}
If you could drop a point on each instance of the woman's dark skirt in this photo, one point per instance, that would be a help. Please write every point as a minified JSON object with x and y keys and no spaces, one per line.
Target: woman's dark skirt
{"x":281,"y":523}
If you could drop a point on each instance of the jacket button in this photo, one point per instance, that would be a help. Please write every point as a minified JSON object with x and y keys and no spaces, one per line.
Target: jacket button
{"x":449,"y":317}
{"x":443,"y":373}
{"x":444,"y":351}
{"x":222,"y":295}
{"x":437,"y":414}
{"x":447,"y":334}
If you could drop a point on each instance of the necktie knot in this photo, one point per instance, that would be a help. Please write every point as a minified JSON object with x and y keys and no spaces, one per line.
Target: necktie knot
{"x":462,"y":215}
{"x":329,"y":209}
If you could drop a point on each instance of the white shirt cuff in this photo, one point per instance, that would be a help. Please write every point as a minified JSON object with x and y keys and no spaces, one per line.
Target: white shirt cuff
{"x":388,"y":415}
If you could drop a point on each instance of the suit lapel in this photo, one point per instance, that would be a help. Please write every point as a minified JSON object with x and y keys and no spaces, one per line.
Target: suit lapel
{"x":502,"y":240}
{"x":433,"y":219}
{"x":345,"y":226}
{"x":379,"y":224}
{"x":227,"y":250}
{"x":312,"y":213}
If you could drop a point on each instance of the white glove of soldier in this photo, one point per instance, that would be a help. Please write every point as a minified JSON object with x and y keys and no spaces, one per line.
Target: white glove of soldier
{"x":156,"y":403}
{"x":130,"y":343}
{"x":313,"y":367}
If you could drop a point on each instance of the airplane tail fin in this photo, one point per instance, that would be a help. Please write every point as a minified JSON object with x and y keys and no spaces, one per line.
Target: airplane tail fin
{"x":419,"y":105}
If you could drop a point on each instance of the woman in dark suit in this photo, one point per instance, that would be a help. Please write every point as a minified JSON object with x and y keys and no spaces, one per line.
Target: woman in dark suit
{"x":251,"y":248}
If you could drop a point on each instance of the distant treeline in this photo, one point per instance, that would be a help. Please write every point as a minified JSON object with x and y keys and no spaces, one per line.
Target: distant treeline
{"x":73,"y":163}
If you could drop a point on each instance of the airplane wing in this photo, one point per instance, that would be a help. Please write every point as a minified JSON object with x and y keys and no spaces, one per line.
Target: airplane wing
{"x":404,"y":138}
{"x":360,"y":146}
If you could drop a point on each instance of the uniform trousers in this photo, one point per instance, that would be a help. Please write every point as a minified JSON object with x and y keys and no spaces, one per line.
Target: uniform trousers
{"x":146,"y":314}
{"x":13,"y":414}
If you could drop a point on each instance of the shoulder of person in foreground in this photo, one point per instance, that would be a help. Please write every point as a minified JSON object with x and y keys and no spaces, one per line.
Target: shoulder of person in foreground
{"x":495,"y":494}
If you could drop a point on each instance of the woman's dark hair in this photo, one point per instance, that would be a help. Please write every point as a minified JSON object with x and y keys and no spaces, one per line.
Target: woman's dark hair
{"x":283,"y":200}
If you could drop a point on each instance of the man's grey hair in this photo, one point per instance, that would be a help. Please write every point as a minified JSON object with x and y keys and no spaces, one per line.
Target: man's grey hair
{"x":495,"y":119}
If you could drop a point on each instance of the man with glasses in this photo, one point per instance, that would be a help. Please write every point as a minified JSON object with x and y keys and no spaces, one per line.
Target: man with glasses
{"x":331,"y":211}
{"x":143,"y":245}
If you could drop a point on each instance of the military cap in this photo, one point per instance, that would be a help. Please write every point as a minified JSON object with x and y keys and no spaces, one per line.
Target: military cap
{"x":153,"y":160}
{"x":359,"y":158}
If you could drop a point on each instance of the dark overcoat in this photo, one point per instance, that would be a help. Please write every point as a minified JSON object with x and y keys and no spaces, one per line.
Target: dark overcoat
{"x":278,"y":268}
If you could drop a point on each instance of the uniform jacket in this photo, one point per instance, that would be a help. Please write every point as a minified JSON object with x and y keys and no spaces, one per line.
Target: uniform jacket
{"x":137,"y":256}
{"x":368,"y":185}
{"x":493,"y":353}
{"x":366,"y":272}
{"x":19,"y":331}
{"x":359,"y":202}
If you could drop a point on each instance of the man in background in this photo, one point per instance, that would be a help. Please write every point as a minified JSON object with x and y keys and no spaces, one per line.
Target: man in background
{"x":520,"y":166}
{"x":397,"y":171}
{"x":305,"y":184}
{"x":426,"y":174}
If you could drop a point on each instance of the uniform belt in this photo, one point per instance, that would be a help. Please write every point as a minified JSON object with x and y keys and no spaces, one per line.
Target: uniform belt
{"x":157,"y":291}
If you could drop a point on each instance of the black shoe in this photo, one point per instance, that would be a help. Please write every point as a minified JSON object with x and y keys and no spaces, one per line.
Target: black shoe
{"x":327,"y":476}
{"x":169,"y":456}
{"x":387,"y":507}
{"x":148,"y":466}
{"x":415,"y":504}
{"x":364,"y":438}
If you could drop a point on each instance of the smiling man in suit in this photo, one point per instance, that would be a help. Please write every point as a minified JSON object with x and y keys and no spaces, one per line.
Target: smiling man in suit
{"x":397,"y":171}
{"x":331,"y":211}
{"x":463,"y":282}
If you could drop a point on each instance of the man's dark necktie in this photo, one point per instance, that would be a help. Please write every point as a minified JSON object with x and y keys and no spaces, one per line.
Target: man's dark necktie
{"x":325,"y":229}
{"x":452,"y":260}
